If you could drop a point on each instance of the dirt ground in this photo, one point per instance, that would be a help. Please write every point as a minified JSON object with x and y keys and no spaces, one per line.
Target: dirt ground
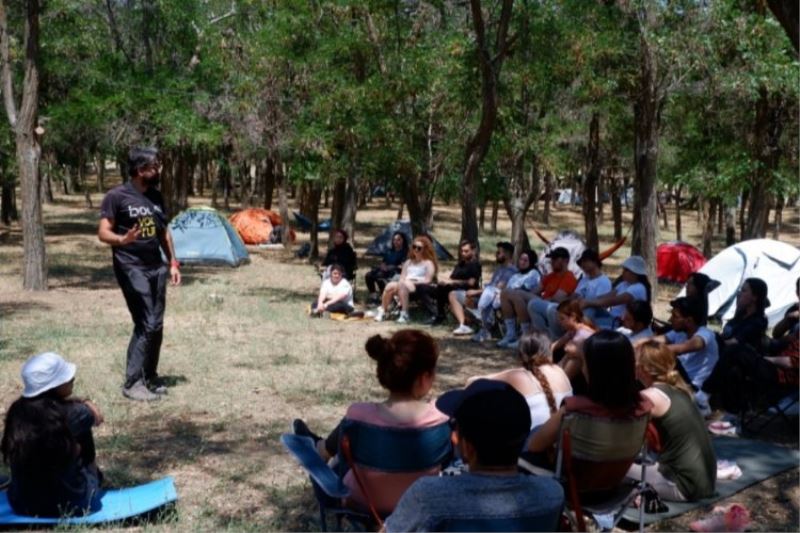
{"x":244,"y":360}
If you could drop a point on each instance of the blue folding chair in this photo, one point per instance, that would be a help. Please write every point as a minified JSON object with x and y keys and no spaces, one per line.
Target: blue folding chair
{"x":362,"y":445}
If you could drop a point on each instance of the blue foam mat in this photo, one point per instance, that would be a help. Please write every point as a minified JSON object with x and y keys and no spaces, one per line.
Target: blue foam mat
{"x":758,"y":460}
{"x":117,"y":504}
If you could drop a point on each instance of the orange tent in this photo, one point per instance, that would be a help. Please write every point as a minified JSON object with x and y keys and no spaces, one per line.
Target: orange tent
{"x":255,"y":225}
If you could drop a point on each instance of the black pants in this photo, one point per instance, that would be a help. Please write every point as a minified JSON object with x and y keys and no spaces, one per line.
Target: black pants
{"x":435,"y":297}
{"x":145,"y":291}
{"x":336,"y":307}
{"x":377,"y":279}
{"x":741,"y":376}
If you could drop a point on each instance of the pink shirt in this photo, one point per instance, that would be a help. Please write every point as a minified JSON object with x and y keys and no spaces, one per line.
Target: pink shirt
{"x":386,"y":488}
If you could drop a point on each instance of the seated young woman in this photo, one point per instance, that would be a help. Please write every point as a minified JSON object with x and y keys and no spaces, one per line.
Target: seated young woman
{"x":571,"y":320}
{"x":335,"y":293}
{"x":687,"y":466}
{"x":391,"y":264}
{"x":514,"y":298}
{"x":543,"y":383}
{"x":341,"y":253}
{"x":48,"y":443}
{"x":632,"y":285}
{"x":613,"y":390}
{"x":637,"y":321}
{"x":421,"y":268}
{"x":406,"y":369}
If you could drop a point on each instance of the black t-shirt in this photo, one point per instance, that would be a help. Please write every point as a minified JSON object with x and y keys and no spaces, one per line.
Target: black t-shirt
{"x":126,"y":206}
{"x":464,"y":271}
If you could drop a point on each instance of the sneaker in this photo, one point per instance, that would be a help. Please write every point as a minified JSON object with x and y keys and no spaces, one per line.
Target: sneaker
{"x":299,"y":427}
{"x":463,"y":329}
{"x":481,"y":336}
{"x":404,"y":318}
{"x":379,"y":314}
{"x":735,"y":517}
{"x":139,"y":392}
{"x":156,"y":385}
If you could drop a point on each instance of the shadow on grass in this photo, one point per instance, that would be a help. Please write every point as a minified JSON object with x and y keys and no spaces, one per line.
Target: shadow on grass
{"x":278,"y":295}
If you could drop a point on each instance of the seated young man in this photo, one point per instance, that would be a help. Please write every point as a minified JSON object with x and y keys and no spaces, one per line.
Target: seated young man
{"x":489,"y":297}
{"x":556,"y":287}
{"x":466,"y":276}
{"x":694,"y":345}
{"x":492,"y":421}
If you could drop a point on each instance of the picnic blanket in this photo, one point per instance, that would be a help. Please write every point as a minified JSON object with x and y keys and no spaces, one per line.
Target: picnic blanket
{"x":758,"y":461}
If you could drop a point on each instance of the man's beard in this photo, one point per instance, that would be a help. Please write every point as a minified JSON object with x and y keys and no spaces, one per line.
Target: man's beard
{"x":154,"y":181}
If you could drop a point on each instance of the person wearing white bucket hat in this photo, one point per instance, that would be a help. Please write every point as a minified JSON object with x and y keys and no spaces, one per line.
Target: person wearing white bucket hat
{"x":48,"y":444}
{"x":631,"y":286}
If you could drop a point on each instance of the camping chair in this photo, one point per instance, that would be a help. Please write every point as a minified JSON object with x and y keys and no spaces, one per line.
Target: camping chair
{"x":594,"y":455}
{"x":777,"y":402}
{"x":363,"y":447}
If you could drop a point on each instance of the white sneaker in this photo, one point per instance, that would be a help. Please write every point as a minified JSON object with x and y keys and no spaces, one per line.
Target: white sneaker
{"x":379,"y":314}
{"x":404,"y":318}
{"x":481,"y":336}
{"x":463,"y":329}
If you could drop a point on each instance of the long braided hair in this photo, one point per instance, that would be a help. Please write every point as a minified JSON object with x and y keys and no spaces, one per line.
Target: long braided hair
{"x":534,"y":351}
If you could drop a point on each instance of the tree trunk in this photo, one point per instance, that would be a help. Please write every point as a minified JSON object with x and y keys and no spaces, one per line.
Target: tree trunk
{"x":8,"y":203}
{"x":24,"y":122}
{"x":590,"y":184}
{"x":707,"y":224}
{"x":601,"y":193}
{"x":647,"y":118}
{"x":495,"y":213}
{"x":315,"y":192}
{"x":616,"y":206}
{"x":478,"y":144}
{"x":283,"y":202}
{"x":482,"y":215}
{"x":100,"y":166}
{"x":82,"y":181}
{"x":678,"y":222}
{"x":350,"y":206}
{"x":46,"y":187}
{"x":548,"y":197}
{"x":776,"y":230}
{"x":268,"y":177}
{"x":663,"y":209}
{"x":400,"y":210}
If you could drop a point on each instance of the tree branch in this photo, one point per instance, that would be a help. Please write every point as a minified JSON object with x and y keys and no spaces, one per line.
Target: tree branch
{"x":5,"y":69}
{"x":112,"y":23}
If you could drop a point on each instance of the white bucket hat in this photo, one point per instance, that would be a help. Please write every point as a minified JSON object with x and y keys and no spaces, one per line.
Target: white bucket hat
{"x":636,"y":264}
{"x":45,"y":371}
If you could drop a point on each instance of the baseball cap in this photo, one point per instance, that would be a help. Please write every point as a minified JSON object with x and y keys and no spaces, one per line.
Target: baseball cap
{"x":590,"y":255}
{"x":44,"y":372}
{"x":635,"y":264}
{"x":492,"y":409}
{"x":507,"y":246}
{"x":555,"y":253}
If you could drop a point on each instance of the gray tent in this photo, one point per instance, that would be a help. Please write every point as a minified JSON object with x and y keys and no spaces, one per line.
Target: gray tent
{"x":383,"y":242}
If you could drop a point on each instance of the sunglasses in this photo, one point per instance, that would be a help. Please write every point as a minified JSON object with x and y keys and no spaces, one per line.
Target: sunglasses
{"x":417,"y":247}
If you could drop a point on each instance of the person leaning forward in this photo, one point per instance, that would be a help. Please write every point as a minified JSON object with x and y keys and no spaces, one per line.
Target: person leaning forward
{"x":134,"y":223}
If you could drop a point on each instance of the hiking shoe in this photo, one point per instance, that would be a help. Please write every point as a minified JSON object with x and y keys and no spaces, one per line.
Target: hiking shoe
{"x":139,"y":392}
{"x":463,"y":329}
{"x":404,"y":318}
{"x":481,"y":336}
{"x":299,"y":427}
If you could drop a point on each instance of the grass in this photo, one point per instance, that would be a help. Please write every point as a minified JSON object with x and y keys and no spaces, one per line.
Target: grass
{"x":244,"y":360}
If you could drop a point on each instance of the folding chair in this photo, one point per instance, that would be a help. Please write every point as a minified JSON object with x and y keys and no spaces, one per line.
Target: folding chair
{"x":594,"y":455}
{"x":364,"y":447}
{"x":771,"y":404}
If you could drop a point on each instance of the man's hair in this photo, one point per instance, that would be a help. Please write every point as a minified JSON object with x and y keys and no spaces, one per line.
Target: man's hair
{"x":496,"y":423}
{"x":139,"y":157}
{"x":689,"y":307}
{"x":466,"y":242}
{"x":640,"y":311}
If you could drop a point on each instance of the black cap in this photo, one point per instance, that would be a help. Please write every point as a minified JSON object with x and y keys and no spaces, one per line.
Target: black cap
{"x":493,"y":407}
{"x":507,"y":246}
{"x":555,"y":253}
{"x":590,"y":255}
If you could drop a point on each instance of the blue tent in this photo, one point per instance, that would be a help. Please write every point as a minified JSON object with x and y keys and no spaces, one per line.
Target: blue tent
{"x":203,"y":236}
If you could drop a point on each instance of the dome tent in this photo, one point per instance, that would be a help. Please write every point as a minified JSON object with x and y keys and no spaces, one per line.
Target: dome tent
{"x":203,"y":236}
{"x":677,"y":260}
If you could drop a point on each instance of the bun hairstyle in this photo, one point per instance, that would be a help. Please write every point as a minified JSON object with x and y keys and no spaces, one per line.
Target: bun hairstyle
{"x":656,"y":360}
{"x":402,"y":358}
{"x":534,"y":351}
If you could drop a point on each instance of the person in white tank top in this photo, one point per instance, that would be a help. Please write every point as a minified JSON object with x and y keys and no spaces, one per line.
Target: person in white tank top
{"x":420,"y":268}
{"x":544,"y":384}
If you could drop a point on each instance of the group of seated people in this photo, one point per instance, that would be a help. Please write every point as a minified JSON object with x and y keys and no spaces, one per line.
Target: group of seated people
{"x":497,"y":419}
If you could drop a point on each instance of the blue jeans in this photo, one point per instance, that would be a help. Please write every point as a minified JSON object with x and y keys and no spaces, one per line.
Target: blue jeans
{"x":544,"y":316}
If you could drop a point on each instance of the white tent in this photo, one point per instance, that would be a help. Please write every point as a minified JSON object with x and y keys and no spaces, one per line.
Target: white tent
{"x":777,"y":263}
{"x":565,"y":239}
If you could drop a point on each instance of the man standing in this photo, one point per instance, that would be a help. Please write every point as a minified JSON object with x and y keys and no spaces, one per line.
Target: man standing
{"x":134,"y":224}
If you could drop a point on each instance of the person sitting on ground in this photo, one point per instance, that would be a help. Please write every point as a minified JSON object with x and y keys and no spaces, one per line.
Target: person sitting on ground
{"x":695,"y":346}
{"x":687,"y":466}
{"x":335,"y":294}
{"x":391,"y":264}
{"x":341,"y":253}
{"x":631,"y":286}
{"x":637,"y":321}
{"x":48,"y":443}
{"x":514,"y":298}
{"x":699,"y":285}
{"x":491,"y":424}
{"x":420,"y":269}
{"x":612,"y":389}
{"x":543,"y":383}
{"x":489,"y":296}
{"x":466,"y":276}
{"x":770,"y":366}
{"x":406,"y":369}
{"x":572,"y":321}
{"x":556,"y":287}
